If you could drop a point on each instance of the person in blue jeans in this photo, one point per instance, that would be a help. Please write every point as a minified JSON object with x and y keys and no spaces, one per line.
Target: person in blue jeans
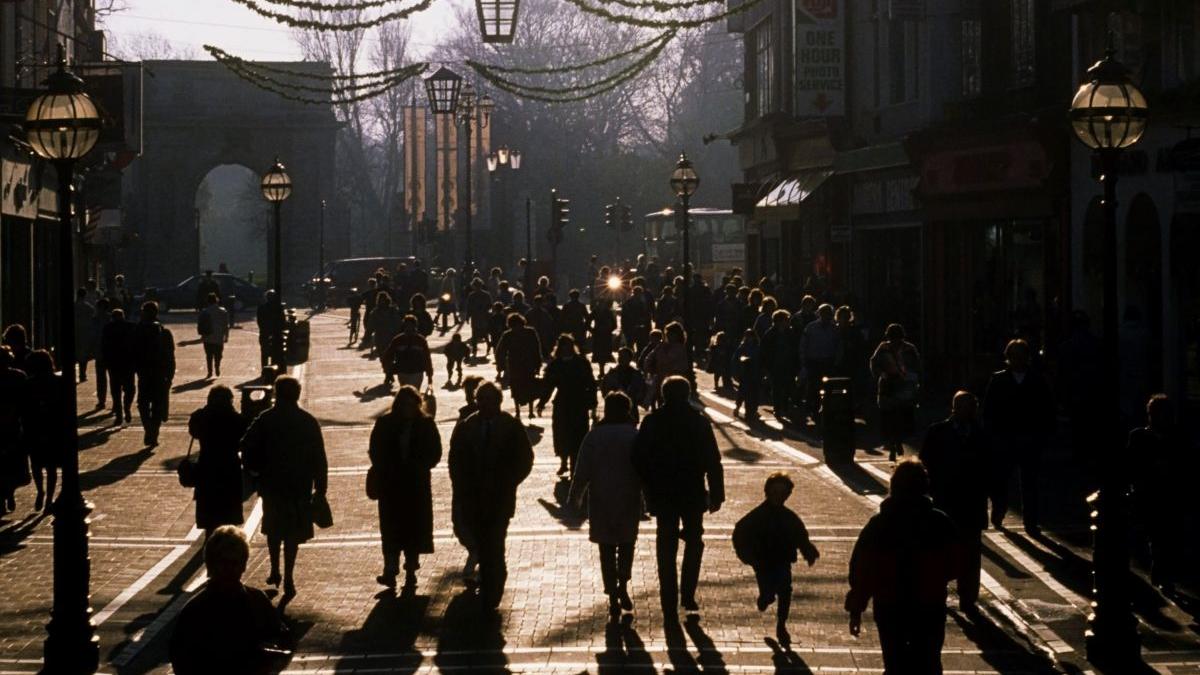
{"x":768,"y":539}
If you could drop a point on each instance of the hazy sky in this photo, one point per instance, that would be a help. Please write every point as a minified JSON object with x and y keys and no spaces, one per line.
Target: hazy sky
{"x":238,"y":30}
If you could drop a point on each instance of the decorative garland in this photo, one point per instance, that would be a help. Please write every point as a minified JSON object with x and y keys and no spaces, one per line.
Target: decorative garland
{"x":284,"y":93}
{"x":665,"y":36}
{"x":658,"y":23}
{"x":226,"y":58}
{"x":326,"y":7}
{"x":382,"y":85}
{"x":660,"y":6}
{"x":309,"y":24}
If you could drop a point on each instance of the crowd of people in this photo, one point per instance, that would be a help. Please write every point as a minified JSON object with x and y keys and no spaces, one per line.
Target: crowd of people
{"x":619,"y":359}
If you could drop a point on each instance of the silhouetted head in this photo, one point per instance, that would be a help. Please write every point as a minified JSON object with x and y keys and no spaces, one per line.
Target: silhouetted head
{"x":118,"y":314}
{"x":225,"y":555}
{"x":220,"y":396}
{"x":564,"y":347}
{"x":675,"y":333}
{"x":825,"y":312}
{"x":1016,"y":355}
{"x":1160,"y":412}
{"x":38,"y":363}
{"x":287,"y":389}
{"x":909,"y":480}
{"x":515,"y":320}
{"x":212,"y":298}
{"x":781,"y":317}
{"x":407,"y":403}
{"x":470,"y":385}
{"x":894,"y":333}
{"x":489,"y":397}
{"x":149,"y":311}
{"x":676,"y":390}
{"x":618,"y":408}
{"x":778,"y":487}
{"x":964,"y":406}
{"x":16,"y":337}
{"x":624,"y":356}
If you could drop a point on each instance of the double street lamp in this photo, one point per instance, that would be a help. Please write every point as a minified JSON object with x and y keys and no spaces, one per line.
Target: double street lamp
{"x":449,"y":95}
{"x":684,"y":182}
{"x":512,"y":158}
{"x":62,"y":126}
{"x":1108,"y":114}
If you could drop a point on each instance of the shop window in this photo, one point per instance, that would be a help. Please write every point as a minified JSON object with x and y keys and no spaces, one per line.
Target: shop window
{"x":903,"y":52}
{"x":763,"y":72}
{"x":1024,"y":52}
{"x":972,"y":65}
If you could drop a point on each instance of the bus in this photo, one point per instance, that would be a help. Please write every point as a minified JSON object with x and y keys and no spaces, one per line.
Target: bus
{"x":717,"y":239}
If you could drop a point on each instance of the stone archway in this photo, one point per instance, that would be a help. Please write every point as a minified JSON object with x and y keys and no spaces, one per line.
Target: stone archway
{"x":232,"y":222}
{"x":197,"y":115}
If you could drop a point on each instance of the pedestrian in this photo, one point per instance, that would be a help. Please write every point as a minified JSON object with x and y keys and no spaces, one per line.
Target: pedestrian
{"x":748,"y":373}
{"x":1159,"y":455}
{"x":766,"y":317}
{"x":17,"y":340}
{"x":767,"y":539}
{"x":218,"y":490}
{"x":207,"y":286}
{"x":477,"y":307}
{"x":541,"y":320}
{"x":490,"y":457}
{"x":720,"y":353}
{"x":227,"y":627}
{"x":405,"y":446}
{"x":676,"y":456}
{"x":355,"y":301}
{"x":957,"y":455}
{"x":456,"y":353}
{"x":896,"y":367}
{"x":447,"y":305}
{"x":116,"y":349}
{"x":284,"y":450}
{"x":85,"y":312}
{"x":369,"y":297}
{"x":903,"y":560}
{"x":806,"y":314}
{"x":603,"y":324}
{"x":44,"y":421}
{"x":519,"y":358}
{"x":407,"y":356}
{"x":635,"y":319}
{"x":670,"y":357}
{"x":607,"y":481}
{"x":387,"y":322}
{"x":667,"y":309}
{"x":573,"y":319}
{"x":214,"y":322}
{"x":1019,"y":414}
{"x":96,"y":328}
{"x":269,"y":318}
{"x":470,"y":386}
{"x":819,"y":348}
{"x":153,"y":348}
{"x":569,"y":377}
{"x":851,"y":350}
{"x":496,"y":318}
{"x":418,"y":307}
{"x":627,"y":379}
{"x":14,"y":458}
{"x":778,"y":350}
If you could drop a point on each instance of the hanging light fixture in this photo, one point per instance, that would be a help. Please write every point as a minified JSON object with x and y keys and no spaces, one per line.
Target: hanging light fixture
{"x":514,"y":157}
{"x":684,"y":180}
{"x":276,"y":184}
{"x":443,"y":89}
{"x":493,"y":162}
{"x":502,"y":154}
{"x":63,"y":124}
{"x":1109,"y":111}
{"x":497,"y":20}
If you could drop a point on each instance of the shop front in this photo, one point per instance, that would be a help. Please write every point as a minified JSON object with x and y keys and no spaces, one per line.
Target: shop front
{"x":993,"y":251}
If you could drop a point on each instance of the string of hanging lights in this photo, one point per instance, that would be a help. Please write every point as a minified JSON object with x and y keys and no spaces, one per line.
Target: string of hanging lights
{"x":320,"y":6}
{"x":316,"y":24}
{"x":604,"y":60}
{"x":660,"y":23}
{"x":226,"y":58}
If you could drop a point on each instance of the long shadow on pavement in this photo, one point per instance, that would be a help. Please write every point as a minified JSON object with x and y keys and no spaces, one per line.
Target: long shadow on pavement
{"x":115,"y":469}
{"x":470,"y":637}
{"x":999,"y":649}
{"x":394,"y":622}
{"x":11,"y":538}
{"x":624,"y":649}
{"x":785,"y":660}
{"x":711,"y":660}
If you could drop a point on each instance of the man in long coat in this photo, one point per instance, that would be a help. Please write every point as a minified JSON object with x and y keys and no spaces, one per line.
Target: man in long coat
{"x":519,"y":358}
{"x":490,"y":457}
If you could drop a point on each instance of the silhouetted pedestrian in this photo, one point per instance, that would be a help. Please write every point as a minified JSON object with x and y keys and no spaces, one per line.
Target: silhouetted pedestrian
{"x":627,"y":379}
{"x":14,"y":459}
{"x":153,"y":348}
{"x":957,"y":455}
{"x":569,"y":378}
{"x":84,"y":343}
{"x":405,"y":446}
{"x":603,"y":324}
{"x":218,"y":491}
{"x":96,"y":327}
{"x":44,"y":421}
{"x":903,"y":560}
{"x":518,"y":359}
{"x":635,"y":319}
{"x":779,"y":349}
{"x":17,"y":340}
{"x":407,"y":356}
{"x":542,"y":321}
{"x":216,"y":335}
{"x":284,"y":449}
{"x":1158,"y":456}
{"x":386,"y":323}
{"x":227,"y":627}
{"x":767,"y":539}
{"x":117,"y":349}
{"x":676,"y":456}
{"x":419,"y":309}
{"x":490,"y":457}
{"x":1019,"y":415}
{"x":606,"y":479}
{"x":269,"y":318}
{"x":896,"y":367}
{"x":573,"y":319}
{"x":670,"y":357}
{"x":470,"y":385}
{"x":456,"y":353}
{"x":206,"y":287}
{"x":747,"y":366}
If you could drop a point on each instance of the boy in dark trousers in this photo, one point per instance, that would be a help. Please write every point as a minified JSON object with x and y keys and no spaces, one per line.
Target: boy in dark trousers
{"x":356,"y":302}
{"x":767,"y":539}
{"x":456,"y":353}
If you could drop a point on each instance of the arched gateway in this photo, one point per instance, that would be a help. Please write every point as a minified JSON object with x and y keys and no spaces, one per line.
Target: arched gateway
{"x":197,"y":116}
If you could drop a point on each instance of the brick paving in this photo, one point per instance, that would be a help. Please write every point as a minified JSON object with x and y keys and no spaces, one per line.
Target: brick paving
{"x":145,"y":560}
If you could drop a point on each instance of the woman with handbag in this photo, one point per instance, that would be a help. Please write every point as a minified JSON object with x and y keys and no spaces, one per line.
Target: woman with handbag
{"x":405,"y":446}
{"x":896,"y":365}
{"x":216,"y":476}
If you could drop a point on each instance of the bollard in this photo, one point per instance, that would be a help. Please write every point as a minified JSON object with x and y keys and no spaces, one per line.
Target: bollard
{"x":837,"y":420}
{"x":1111,"y":636}
{"x":297,"y":343}
{"x":256,"y":399}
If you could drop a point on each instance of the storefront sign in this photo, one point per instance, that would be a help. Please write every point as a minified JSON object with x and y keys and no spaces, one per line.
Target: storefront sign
{"x":820,"y":58}
{"x":17,"y":182}
{"x":1022,"y":165}
{"x":723,"y":253}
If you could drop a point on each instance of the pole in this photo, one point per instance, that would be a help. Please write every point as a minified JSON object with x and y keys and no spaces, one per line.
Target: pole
{"x":467,"y":220}
{"x":687,"y":281}
{"x":277,"y":282}
{"x":321,"y":247}
{"x":528,"y":242}
{"x":71,"y":644}
{"x":199,"y":264}
{"x":1112,"y":628}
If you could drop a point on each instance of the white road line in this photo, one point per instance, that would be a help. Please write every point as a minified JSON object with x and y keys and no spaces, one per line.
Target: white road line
{"x":1038,"y":570}
{"x":141,"y":583}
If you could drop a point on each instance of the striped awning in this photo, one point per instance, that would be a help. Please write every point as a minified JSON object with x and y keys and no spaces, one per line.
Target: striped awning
{"x":784,"y":200}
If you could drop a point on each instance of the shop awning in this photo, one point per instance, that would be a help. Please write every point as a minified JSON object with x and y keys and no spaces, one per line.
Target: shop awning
{"x":784,"y":200}
{"x":871,"y":158}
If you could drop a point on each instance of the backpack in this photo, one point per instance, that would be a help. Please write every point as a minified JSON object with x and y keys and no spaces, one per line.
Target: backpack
{"x":204,"y":323}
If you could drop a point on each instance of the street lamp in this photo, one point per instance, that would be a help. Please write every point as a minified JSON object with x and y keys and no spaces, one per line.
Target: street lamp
{"x":443,"y":88}
{"x":684,"y":182}
{"x":1108,"y":114}
{"x":497,"y":19}
{"x":276,"y":187}
{"x":62,"y":126}
{"x":512,"y":158}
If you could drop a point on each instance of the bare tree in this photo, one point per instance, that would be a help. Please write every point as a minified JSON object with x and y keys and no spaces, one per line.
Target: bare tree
{"x":148,"y":45}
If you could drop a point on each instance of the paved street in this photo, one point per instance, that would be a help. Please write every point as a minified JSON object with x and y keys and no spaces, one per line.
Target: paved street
{"x":146,"y":563}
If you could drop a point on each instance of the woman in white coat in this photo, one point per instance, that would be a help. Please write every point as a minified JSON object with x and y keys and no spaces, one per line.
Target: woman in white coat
{"x":604,"y":472}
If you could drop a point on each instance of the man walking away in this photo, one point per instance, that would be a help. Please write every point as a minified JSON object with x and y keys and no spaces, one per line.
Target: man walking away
{"x":270,"y":329}
{"x":490,"y":457}
{"x":215,"y":319}
{"x":154,"y":361}
{"x":676,"y":455}
{"x":117,"y":351}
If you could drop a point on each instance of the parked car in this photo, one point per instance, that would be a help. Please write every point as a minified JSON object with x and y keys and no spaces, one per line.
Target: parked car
{"x":347,"y":276}
{"x":183,"y":294}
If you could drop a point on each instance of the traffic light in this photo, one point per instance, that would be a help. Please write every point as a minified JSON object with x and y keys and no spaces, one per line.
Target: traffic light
{"x":560,"y":217}
{"x":609,"y":216}
{"x":626,"y":216}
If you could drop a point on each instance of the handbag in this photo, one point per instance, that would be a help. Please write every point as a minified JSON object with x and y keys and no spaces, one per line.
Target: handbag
{"x":322,"y":515}
{"x":373,"y":484}
{"x":429,"y":401}
{"x":186,"y":471}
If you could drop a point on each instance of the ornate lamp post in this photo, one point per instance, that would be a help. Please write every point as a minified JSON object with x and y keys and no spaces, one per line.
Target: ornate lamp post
{"x":277,"y":186}
{"x":1108,"y":115}
{"x":62,"y":126}
{"x":684,"y":182}
{"x":497,"y":20}
{"x":512,"y":158}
